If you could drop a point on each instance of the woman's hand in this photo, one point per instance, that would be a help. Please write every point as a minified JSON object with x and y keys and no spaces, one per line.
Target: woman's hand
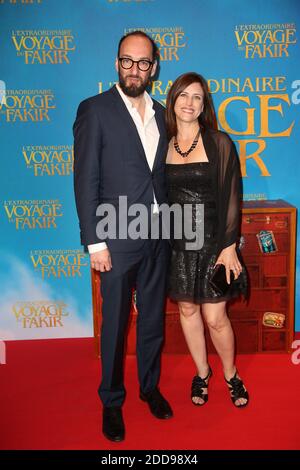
{"x":229,"y":258}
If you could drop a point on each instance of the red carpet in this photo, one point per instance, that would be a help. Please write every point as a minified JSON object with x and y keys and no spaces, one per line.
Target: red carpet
{"x":49,"y":400}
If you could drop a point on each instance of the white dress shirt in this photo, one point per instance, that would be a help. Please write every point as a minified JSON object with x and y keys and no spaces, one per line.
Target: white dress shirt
{"x":149,"y":135}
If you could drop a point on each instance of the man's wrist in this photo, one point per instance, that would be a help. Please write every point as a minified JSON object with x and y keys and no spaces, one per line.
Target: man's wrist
{"x":95,"y":247}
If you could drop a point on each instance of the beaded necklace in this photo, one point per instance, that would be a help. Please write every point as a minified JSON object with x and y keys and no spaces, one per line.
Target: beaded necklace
{"x":185,"y":154}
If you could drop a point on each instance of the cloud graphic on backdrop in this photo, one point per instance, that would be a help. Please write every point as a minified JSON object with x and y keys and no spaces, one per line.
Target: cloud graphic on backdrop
{"x":31,"y":308}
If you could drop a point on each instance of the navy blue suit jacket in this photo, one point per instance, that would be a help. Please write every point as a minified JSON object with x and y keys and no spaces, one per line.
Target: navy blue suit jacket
{"x":109,"y":161}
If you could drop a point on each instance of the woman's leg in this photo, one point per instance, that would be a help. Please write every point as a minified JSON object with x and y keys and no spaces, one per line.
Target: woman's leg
{"x":193,"y":330}
{"x":222,"y":337}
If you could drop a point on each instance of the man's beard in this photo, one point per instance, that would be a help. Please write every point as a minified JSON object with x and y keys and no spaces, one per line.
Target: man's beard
{"x":133,"y":90}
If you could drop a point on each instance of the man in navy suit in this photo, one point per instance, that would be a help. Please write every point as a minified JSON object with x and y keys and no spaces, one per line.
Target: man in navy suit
{"x":120,"y":146}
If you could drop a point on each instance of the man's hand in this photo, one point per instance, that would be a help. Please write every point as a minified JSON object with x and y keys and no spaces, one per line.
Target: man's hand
{"x":101,"y":260}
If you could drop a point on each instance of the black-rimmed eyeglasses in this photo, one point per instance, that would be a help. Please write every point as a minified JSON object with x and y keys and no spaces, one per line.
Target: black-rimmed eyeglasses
{"x":142,"y":64}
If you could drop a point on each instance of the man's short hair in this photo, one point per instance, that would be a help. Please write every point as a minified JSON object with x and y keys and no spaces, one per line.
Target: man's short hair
{"x":144,"y":35}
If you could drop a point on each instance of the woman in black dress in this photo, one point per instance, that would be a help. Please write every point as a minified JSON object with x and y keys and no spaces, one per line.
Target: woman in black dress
{"x":203,"y":168}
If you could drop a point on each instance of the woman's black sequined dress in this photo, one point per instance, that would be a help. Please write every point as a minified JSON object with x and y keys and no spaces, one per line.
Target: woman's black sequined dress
{"x":190,"y":270}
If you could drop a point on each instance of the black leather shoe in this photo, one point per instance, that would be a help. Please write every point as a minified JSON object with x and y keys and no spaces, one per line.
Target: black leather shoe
{"x":158,"y":405}
{"x":113,"y":425}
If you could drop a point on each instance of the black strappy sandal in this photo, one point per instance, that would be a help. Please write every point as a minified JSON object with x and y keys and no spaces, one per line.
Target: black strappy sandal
{"x":237,"y":390}
{"x":198,"y":384}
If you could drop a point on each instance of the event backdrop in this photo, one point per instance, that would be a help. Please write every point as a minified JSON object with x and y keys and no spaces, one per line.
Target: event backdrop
{"x":55,"y":53}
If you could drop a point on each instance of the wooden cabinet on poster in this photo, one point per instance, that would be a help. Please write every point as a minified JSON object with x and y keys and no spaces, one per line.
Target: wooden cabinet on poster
{"x":272,"y":287}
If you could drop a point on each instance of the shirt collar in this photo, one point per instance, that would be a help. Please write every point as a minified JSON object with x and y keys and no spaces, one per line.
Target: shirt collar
{"x":147,"y":97}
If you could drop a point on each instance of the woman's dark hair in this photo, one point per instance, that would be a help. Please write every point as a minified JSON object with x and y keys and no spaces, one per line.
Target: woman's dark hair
{"x":207,"y":118}
{"x":143,"y":35}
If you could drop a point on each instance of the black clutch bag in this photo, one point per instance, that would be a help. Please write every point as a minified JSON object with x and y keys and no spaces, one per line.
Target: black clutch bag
{"x":218,"y":279}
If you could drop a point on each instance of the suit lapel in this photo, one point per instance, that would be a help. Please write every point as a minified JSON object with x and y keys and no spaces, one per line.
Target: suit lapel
{"x":161,"y":127}
{"x":129,"y":123}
